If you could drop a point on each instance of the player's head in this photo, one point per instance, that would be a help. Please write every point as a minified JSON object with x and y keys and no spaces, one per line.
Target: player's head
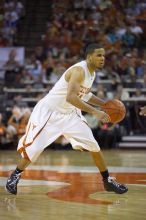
{"x":95,"y":55}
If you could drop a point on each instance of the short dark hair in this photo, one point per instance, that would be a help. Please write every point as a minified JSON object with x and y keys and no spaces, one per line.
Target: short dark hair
{"x":91,"y":47}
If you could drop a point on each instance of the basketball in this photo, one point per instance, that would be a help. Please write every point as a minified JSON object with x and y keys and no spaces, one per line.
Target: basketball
{"x":115,"y":109}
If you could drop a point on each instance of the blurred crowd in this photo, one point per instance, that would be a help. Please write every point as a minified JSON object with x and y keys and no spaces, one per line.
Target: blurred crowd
{"x":118,"y":25}
{"x":11,"y":11}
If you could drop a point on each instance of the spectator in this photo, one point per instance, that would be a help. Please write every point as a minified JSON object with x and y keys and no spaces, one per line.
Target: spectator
{"x":138,"y":94}
{"x":57,"y":72}
{"x":17,"y":122}
{"x":2,"y":130}
{"x":13,"y":123}
{"x":121,"y":94}
{"x":48,"y":65}
{"x":13,"y":11}
{"x":19,"y":7}
{"x":35,"y":69}
{"x":3,"y":42}
{"x":108,"y":135}
{"x":12,"y":68}
{"x":23,"y":121}
{"x":129,"y":39}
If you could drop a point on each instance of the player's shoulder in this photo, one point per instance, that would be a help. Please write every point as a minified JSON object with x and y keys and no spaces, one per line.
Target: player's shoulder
{"x":80,"y":66}
{"x":76,"y":71}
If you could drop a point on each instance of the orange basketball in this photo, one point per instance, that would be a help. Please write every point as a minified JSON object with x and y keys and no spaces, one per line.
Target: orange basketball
{"x":115,"y":109}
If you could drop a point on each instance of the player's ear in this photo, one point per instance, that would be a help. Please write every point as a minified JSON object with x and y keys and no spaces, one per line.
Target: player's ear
{"x":89,"y":57}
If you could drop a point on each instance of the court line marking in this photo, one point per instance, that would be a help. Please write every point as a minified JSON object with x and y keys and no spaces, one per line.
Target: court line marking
{"x":75,"y":169}
{"x":46,"y":183}
{"x":35,"y":182}
{"x":136,"y":185}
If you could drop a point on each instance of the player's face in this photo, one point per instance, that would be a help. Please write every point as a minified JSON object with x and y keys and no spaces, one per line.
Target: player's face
{"x":98,"y":58}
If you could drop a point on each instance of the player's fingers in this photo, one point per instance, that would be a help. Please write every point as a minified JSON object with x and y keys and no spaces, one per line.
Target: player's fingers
{"x":106,"y":119}
{"x":103,"y":120}
{"x":109,"y":119}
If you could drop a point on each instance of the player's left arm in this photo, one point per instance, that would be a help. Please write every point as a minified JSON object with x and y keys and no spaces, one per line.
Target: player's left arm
{"x":94,"y":100}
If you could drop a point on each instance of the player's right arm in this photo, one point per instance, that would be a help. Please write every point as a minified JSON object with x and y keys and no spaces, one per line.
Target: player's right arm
{"x":75,"y":77}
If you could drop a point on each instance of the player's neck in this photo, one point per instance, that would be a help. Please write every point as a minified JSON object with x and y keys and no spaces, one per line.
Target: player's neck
{"x":91,"y":67}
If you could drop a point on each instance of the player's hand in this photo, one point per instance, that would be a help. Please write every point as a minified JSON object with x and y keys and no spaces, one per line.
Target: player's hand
{"x":103,"y":117}
{"x":143,"y":111}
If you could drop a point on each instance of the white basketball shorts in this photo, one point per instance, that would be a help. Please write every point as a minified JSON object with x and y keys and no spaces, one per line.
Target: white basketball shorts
{"x":40,"y":135}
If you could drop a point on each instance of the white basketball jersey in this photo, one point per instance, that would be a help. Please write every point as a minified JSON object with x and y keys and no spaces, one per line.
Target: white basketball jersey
{"x":56,"y":98}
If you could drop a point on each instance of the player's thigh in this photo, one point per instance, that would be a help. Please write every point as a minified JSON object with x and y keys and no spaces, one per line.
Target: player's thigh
{"x":80,"y":134}
{"x":79,"y":129}
{"x":34,"y":148}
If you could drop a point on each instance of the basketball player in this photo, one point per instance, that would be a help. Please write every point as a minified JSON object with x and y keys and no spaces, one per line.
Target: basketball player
{"x":143,"y":111}
{"x":59,"y":113}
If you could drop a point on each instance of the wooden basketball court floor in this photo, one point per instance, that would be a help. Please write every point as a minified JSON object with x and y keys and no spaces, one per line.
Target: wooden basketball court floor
{"x":65,"y":185}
